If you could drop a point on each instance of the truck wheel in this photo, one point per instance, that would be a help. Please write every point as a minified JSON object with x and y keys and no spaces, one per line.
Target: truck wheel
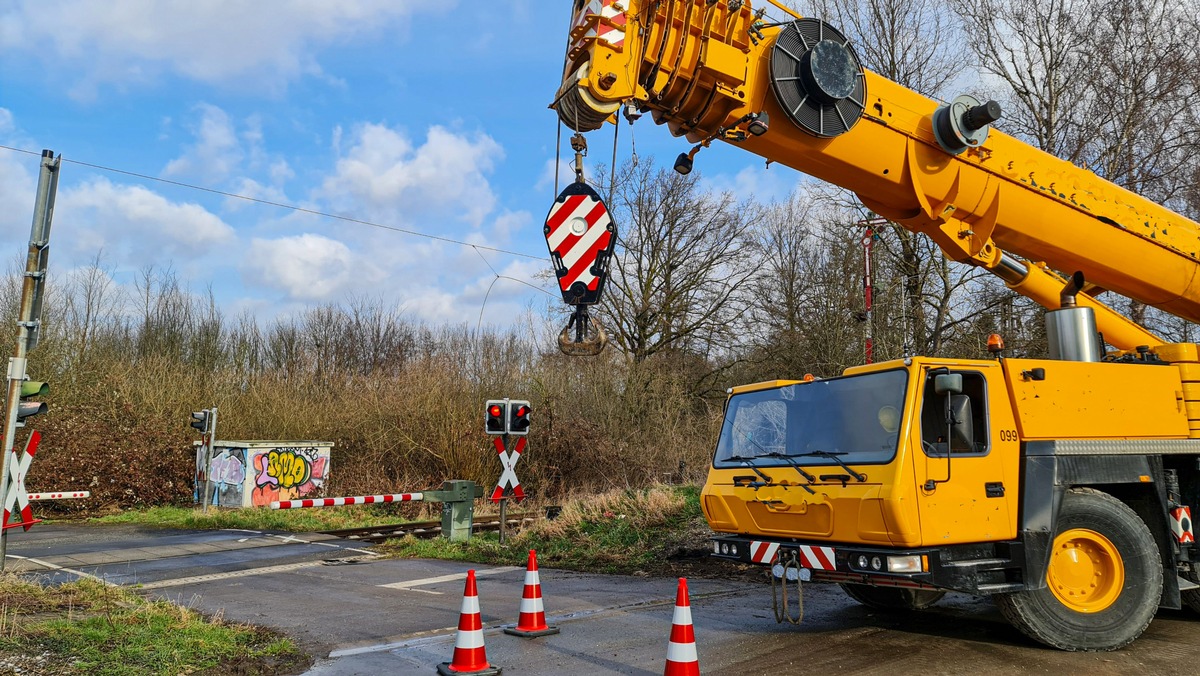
{"x":1103,"y":582}
{"x":892,"y":598}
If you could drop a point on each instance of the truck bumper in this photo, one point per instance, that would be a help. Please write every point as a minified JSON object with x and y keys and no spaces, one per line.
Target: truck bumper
{"x":983,"y":569}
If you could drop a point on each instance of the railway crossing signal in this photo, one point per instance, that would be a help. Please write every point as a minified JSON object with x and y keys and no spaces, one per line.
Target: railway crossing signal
{"x":508,"y":479}
{"x":17,"y":494}
{"x":503,"y":416}
{"x":206,"y":423}
{"x":200,"y":420}
{"x":518,"y":417}
{"x":28,"y":409}
{"x":496,"y":416}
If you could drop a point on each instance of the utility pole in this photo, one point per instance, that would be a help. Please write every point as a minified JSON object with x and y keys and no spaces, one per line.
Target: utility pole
{"x":868,"y":241}
{"x":29,"y":319}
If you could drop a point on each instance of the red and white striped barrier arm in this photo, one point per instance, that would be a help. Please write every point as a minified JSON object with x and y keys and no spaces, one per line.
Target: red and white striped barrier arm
{"x":355,"y":500}
{"x":61,"y":495}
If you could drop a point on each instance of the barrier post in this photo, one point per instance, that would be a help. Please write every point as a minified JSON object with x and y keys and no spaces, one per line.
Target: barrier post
{"x":458,"y":507}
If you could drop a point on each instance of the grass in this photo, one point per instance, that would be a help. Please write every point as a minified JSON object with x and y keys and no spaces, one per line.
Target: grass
{"x":646,"y":531}
{"x":87,"y":627}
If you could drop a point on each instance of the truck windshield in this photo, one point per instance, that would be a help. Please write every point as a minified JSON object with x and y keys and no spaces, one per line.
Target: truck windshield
{"x":855,"y":417}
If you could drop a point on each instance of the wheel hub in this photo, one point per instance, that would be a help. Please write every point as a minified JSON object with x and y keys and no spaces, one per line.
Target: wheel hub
{"x":1086,"y":573}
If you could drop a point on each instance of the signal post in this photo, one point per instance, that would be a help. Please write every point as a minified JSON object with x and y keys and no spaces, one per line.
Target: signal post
{"x":29,"y":325}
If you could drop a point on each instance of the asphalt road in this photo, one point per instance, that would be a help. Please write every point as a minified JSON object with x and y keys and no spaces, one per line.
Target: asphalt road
{"x":363,"y":615}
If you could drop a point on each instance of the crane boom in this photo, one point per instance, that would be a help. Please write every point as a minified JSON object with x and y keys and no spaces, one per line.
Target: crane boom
{"x":713,"y":70}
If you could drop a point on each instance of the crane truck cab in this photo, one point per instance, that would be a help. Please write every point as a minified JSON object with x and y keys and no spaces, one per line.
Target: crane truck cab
{"x":978,"y":487}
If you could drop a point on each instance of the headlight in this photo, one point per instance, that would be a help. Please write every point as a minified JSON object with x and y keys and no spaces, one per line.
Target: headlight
{"x":905,"y":564}
{"x":733,"y":549}
{"x":877,"y":563}
{"x":724,"y":547}
{"x":716,"y":547}
{"x":862,"y":561}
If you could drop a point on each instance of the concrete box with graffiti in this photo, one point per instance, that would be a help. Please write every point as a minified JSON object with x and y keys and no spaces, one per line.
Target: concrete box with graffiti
{"x":255,"y":473}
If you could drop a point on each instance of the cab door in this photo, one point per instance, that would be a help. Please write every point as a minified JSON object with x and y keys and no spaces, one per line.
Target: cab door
{"x":967,"y":463}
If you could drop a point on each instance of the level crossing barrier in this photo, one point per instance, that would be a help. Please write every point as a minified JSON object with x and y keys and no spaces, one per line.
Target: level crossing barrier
{"x":457,"y":498}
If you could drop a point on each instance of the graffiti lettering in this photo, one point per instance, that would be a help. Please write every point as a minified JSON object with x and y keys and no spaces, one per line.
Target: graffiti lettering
{"x":228,"y":469}
{"x":287,"y":468}
{"x":288,"y":473}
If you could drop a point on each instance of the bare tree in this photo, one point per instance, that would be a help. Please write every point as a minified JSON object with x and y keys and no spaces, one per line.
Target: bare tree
{"x":916,"y":43}
{"x":1144,"y":83}
{"x":1038,"y":52}
{"x":92,"y":304}
{"x":681,"y":269}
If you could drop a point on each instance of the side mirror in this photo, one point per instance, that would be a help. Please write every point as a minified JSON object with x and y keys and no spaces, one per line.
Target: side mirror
{"x":948,"y":383}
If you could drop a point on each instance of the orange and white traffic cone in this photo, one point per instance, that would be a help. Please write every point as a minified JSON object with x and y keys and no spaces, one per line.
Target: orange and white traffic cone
{"x":470,"y":658}
{"x":532,"y":621}
{"x":681,"y":650}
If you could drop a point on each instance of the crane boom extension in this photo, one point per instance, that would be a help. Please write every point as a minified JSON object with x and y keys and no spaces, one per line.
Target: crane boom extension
{"x":713,"y":70}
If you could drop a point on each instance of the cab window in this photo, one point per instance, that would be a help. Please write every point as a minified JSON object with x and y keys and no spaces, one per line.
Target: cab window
{"x":967,"y":410}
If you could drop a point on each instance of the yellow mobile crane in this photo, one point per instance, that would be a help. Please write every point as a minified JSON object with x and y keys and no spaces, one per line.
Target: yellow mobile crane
{"x":1060,"y":487}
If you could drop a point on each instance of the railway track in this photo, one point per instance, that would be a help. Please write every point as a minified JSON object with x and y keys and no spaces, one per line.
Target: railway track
{"x":429,"y":529}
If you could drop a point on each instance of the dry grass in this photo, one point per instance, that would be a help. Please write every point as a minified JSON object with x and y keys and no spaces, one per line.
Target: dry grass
{"x":124,"y":435}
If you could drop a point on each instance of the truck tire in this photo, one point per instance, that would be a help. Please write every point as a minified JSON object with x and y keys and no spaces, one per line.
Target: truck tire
{"x":1103,"y":582}
{"x":1191,"y":597}
{"x":892,"y":598}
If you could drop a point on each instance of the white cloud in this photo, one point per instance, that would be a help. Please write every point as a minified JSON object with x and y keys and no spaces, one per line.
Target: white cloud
{"x":135,"y":225}
{"x":18,"y":188}
{"x":390,"y":178}
{"x":307,"y":267}
{"x":765,"y":184}
{"x":216,"y":152}
{"x":565,"y":175}
{"x":252,"y":45}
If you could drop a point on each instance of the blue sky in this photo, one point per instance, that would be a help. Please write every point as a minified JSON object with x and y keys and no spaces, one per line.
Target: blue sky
{"x":430,"y":117}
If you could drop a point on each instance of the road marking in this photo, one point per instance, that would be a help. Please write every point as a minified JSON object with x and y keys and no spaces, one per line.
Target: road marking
{"x":438,"y":635}
{"x":408,"y":586}
{"x":179,"y":581}
{"x":64,"y":569}
{"x":291,"y":539}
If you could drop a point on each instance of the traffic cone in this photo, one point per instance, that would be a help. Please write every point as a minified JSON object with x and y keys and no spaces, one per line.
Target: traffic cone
{"x":532,"y":621}
{"x":681,"y":650}
{"x":470,"y":658}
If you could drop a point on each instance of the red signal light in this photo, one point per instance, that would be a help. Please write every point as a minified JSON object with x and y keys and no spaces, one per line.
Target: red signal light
{"x":494,"y":411}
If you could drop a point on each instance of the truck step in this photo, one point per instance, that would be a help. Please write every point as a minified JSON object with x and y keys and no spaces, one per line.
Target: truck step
{"x":980,"y":564}
{"x":1000,"y":588}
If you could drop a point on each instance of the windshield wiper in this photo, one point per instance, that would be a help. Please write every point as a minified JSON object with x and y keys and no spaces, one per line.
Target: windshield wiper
{"x":833,"y":455}
{"x":796,"y":464}
{"x":746,"y":461}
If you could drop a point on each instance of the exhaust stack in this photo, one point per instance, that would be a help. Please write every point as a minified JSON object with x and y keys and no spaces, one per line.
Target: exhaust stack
{"x":1071,"y":330}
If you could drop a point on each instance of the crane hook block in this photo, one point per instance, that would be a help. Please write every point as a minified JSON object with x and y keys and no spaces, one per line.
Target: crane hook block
{"x":580,"y":234}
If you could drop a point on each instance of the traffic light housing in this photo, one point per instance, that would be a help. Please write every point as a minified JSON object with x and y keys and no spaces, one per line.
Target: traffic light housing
{"x":496,"y":416}
{"x":200,"y":420}
{"x":28,"y":409}
{"x":518,"y":417}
